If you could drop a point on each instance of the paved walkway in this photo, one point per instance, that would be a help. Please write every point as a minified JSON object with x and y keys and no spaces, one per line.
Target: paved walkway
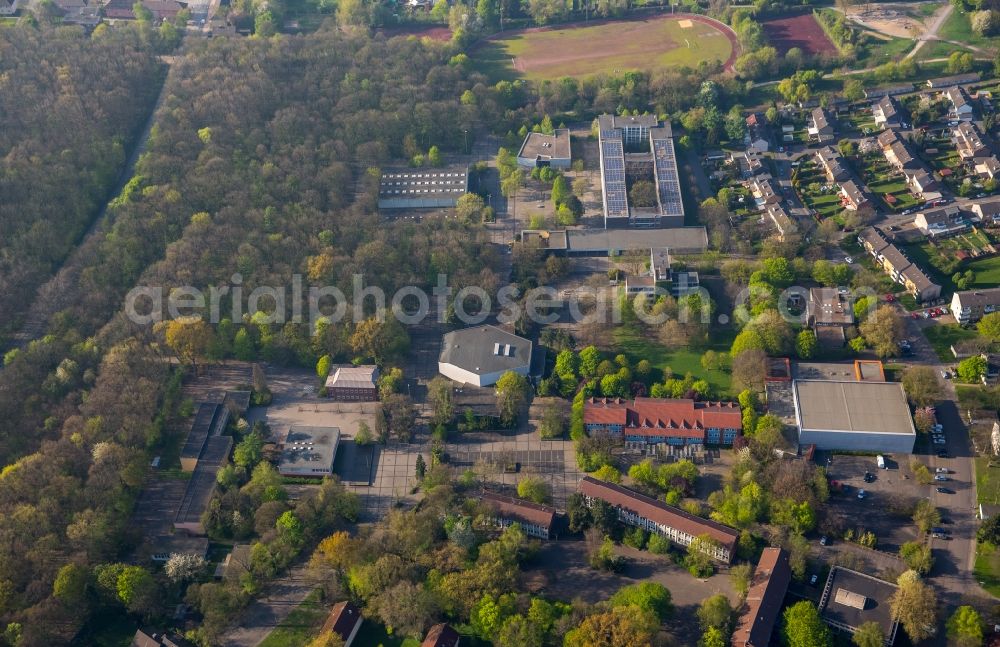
{"x":267,"y":611}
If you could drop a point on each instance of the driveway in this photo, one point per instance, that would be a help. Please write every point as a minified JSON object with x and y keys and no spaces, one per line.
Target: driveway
{"x":267,"y":611}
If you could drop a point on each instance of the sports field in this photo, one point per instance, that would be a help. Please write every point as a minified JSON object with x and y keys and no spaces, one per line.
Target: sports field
{"x":582,"y":50}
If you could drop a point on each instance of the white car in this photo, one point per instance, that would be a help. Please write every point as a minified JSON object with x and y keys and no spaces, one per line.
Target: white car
{"x":942,"y":470}
{"x":938,"y":426}
{"x":862,"y":494}
{"x":939,"y":441}
{"x":941,"y":477}
{"x":848,"y":260}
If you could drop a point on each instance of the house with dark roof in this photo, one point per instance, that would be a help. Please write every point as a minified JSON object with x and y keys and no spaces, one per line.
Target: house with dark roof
{"x":763,"y":190}
{"x":819,"y":126}
{"x":987,"y":212}
{"x":480,"y":355}
{"x":939,"y":223}
{"x":898,"y":266}
{"x":897,"y":152}
{"x":852,"y":197}
{"x":922,"y":184}
{"x":652,"y":515}
{"x":502,"y":511}
{"x":830,"y":160}
{"x":829,"y":312}
{"x":782,"y":221}
{"x":969,"y":141}
{"x":764,"y":599}
{"x":441,"y":635}
{"x":344,"y":620}
{"x":987,"y":166}
{"x":663,"y":421}
{"x":969,"y":306}
{"x":886,"y":113}
{"x":961,"y":106}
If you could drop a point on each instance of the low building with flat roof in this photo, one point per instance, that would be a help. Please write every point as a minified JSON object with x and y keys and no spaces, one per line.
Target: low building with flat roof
{"x":853,"y":416}
{"x":422,"y":188}
{"x":540,"y":150}
{"x":677,"y":525}
{"x":480,"y":355}
{"x":536,"y":519}
{"x":869,"y":370}
{"x":210,"y":420}
{"x":309,"y":451}
{"x":202,"y":484}
{"x":353,"y":384}
{"x":764,"y":599}
{"x":850,"y":599}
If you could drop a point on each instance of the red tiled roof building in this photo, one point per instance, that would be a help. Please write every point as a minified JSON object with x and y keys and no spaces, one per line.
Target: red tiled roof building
{"x":764,"y":600}
{"x":655,"y":421}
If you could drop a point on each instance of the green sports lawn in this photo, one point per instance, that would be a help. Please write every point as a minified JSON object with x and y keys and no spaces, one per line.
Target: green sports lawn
{"x":581,"y":51}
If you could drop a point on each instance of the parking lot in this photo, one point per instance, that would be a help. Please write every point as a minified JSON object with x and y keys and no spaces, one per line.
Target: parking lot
{"x":888,"y":498}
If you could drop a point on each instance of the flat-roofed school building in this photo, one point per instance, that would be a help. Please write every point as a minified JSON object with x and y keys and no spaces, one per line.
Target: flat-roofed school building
{"x":541,"y":150}
{"x":422,"y":188}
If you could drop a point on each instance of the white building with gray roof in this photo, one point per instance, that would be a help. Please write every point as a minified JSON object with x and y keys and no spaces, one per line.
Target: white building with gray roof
{"x":480,"y":355}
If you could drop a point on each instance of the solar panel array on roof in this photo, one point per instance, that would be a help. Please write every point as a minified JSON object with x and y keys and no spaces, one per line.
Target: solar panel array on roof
{"x":613,"y":168}
{"x":667,"y":181}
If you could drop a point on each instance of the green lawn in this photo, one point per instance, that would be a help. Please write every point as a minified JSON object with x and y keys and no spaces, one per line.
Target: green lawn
{"x":609,"y":47}
{"x":301,"y":624}
{"x":987,"y":481}
{"x":987,"y":271}
{"x":958,"y":29}
{"x":942,"y":336}
{"x":878,"y":51}
{"x":638,"y":345}
{"x":987,"y":569}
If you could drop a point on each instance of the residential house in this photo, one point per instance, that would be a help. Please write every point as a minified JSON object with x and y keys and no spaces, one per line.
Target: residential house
{"x":829,"y":308}
{"x":536,"y":520}
{"x":852,"y":197}
{"x":939,"y":223}
{"x":753,"y":160}
{"x":922,"y":184}
{"x":969,"y":141}
{"x":654,"y":516}
{"x":987,"y":212}
{"x":344,"y":620}
{"x":987,"y":167}
{"x":819,"y":126}
{"x":441,"y":635}
{"x":144,"y":638}
{"x":119,"y":10}
{"x":897,"y":266}
{"x":764,"y":599}
{"x":763,"y":190}
{"x":830,"y":160}
{"x":782,"y":221}
{"x":969,"y":306}
{"x":961,"y":106}
{"x":896,"y":151}
{"x":758,"y":135}
{"x":886,"y":113}
{"x":661,"y":421}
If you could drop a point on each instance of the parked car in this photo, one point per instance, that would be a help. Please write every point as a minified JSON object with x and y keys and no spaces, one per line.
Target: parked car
{"x":939,"y":441}
{"x":848,"y":260}
{"x":938,"y":529}
{"x":862,"y":494}
{"x":940,"y":535}
{"x":944,"y":490}
{"x":938,"y":426}
{"x":943,"y":454}
{"x":942,"y":470}
{"x":946,"y":375}
{"x":823,"y":541}
{"x":941,"y":477}
{"x":914,"y":315}
{"x":890,"y":297}
{"x":813,"y":579}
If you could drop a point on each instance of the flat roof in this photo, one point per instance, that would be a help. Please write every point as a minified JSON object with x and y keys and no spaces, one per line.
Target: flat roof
{"x":668,"y":183}
{"x":209,"y":420}
{"x":201,"y":485}
{"x":869,"y":407}
{"x":485,"y":349}
{"x":309,"y":450}
{"x":419,"y":184}
{"x":679,"y":239}
{"x":353,"y":377}
{"x":540,"y":145}
{"x":851,"y":599}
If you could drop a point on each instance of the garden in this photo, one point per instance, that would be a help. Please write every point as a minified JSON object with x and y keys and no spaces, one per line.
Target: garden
{"x":814,"y":191}
{"x":887,"y":183}
{"x":949,"y":260}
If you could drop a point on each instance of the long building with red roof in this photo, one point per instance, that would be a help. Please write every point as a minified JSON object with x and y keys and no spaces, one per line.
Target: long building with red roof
{"x":655,"y":421}
{"x":677,"y":525}
{"x":764,"y":600}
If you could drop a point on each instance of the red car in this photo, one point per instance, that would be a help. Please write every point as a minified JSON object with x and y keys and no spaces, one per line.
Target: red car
{"x":914,"y":315}
{"x":933,"y":314}
{"x":890,"y":298}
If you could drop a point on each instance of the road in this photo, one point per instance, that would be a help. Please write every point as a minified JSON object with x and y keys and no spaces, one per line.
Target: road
{"x":268,"y":610}
{"x":955,"y":558}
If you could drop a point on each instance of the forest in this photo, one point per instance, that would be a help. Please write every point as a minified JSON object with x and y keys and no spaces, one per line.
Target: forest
{"x":72,"y":108}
